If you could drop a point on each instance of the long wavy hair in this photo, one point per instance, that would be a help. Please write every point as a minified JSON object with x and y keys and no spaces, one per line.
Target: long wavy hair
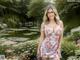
{"x":56,"y":17}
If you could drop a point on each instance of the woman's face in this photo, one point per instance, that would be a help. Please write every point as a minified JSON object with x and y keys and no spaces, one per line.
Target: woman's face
{"x":50,"y":14}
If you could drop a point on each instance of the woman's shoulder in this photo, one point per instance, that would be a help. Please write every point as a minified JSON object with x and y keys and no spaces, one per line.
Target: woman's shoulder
{"x":61,"y":23}
{"x":42,"y":24}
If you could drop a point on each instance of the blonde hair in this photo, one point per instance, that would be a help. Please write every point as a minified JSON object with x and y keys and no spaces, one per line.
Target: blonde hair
{"x":56,"y":18}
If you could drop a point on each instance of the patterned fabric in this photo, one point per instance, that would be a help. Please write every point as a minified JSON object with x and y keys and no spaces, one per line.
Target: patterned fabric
{"x":50,"y":44}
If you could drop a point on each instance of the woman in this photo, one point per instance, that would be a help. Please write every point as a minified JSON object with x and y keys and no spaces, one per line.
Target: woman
{"x":51,"y":35}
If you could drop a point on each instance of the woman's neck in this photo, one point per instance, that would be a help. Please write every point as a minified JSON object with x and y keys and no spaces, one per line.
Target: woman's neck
{"x":52,"y":22}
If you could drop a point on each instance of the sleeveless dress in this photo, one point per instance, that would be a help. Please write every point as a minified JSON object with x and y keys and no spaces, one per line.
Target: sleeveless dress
{"x":50,"y":44}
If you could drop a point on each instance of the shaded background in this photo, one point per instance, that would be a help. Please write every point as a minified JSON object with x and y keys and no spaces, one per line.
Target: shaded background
{"x":20,"y":22}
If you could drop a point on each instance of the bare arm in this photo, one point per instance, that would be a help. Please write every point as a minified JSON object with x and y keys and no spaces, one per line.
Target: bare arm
{"x":42,"y":35}
{"x":61,"y":23}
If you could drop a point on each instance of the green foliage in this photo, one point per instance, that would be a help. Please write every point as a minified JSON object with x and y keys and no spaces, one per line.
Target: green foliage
{"x":15,"y":11}
{"x":16,"y":6}
{"x":68,"y":38}
{"x":3,"y":49}
{"x":69,"y":47}
{"x":29,"y":46}
{"x":28,"y":49}
{"x":35,"y":8}
{"x":76,"y":35}
{"x":69,"y":13}
{"x":11,"y":20}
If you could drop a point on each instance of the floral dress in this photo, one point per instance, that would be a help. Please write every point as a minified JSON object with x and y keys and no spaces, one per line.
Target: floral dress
{"x":50,"y":44}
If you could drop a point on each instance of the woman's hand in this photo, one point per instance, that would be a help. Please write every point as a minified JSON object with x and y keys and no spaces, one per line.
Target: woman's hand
{"x":38,"y":54}
{"x":59,"y":52}
{"x":38,"y":49}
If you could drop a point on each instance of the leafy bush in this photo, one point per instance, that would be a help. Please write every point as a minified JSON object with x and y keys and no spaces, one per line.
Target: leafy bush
{"x":23,"y":49}
{"x":76,"y":35}
{"x":2,"y":50}
{"x":12,"y":20}
{"x":29,"y":46}
{"x":69,"y":47}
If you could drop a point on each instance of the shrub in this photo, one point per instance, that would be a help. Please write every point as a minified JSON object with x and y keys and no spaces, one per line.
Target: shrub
{"x":68,"y":48}
{"x":29,"y":46}
{"x":76,"y":35}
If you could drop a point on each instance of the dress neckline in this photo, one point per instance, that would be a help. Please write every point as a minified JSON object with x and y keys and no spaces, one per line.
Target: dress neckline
{"x":53,"y":29}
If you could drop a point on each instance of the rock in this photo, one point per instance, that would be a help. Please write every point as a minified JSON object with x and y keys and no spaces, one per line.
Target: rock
{"x":8,"y":43}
